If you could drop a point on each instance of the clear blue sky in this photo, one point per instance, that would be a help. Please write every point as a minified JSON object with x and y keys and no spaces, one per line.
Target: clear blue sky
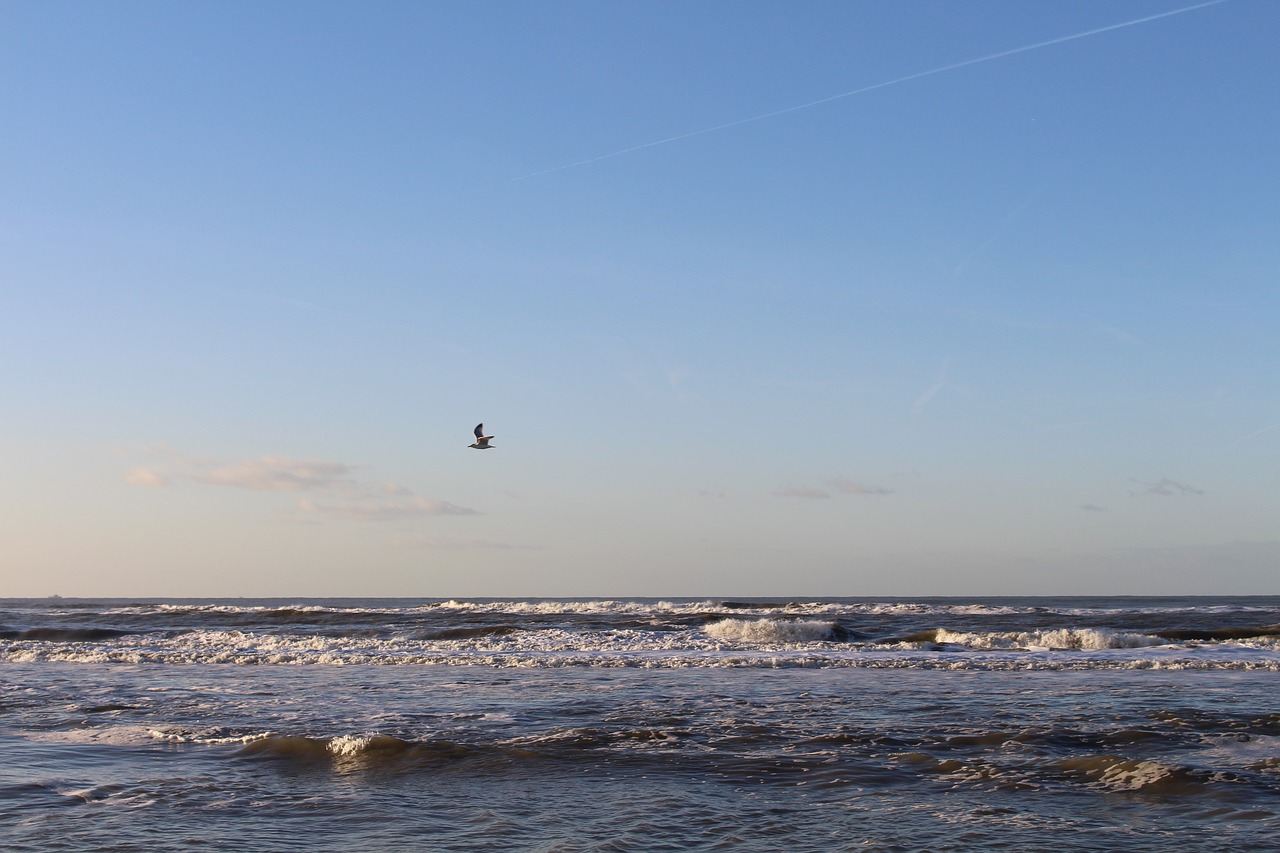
{"x":979,"y":327}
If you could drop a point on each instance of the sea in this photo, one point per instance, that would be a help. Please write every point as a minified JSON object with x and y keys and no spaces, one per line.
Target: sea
{"x":645,"y":724}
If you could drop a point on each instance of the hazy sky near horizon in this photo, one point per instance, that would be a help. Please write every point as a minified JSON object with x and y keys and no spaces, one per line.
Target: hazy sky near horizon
{"x":830,"y":298}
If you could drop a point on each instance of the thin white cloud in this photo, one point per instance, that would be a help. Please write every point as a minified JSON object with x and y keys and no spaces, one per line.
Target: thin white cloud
{"x":278,"y":474}
{"x":263,"y":474}
{"x":1092,"y":508}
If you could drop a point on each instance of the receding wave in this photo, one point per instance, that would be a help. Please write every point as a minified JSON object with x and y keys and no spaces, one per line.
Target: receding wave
{"x":730,"y":642}
{"x":1220,"y":634}
{"x":466,"y":632}
{"x":370,"y":751}
{"x":65,"y":635}
{"x":1119,"y":773}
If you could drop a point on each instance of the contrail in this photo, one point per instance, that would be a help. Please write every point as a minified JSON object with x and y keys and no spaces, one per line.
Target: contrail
{"x":1261,"y":431}
{"x":939,"y":70}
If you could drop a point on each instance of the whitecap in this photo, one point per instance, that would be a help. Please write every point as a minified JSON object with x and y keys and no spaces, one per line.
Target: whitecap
{"x":771,"y":631}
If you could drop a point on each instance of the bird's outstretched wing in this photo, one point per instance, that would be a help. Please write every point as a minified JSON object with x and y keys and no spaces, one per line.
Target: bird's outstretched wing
{"x":482,"y":440}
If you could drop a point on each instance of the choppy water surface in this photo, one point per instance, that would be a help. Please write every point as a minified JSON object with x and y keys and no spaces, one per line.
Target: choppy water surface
{"x":1129,"y":724}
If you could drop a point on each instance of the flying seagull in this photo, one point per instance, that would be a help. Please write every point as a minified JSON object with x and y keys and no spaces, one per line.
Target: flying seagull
{"x":482,"y":440}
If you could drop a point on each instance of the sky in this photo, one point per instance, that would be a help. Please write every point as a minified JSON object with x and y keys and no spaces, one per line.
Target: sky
{"x":756,"y":298}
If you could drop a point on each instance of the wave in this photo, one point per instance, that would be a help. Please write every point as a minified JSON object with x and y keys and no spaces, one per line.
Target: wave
{"x":1164,"y":658}
{"x":1118,"y":773}
{"x":1219,"y":634}
{"x":366,"y":751}
{"x":466,"y":632}
{"x":1062,"y":638}
{"x":1175,"y":619}
{"x":65,"y":635}
{"x":773,"y":631}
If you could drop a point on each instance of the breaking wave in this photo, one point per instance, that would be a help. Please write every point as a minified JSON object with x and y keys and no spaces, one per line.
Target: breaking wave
{"x":652,"y":633}
{"x":1062,"y":638}
{"x":773,"y":631}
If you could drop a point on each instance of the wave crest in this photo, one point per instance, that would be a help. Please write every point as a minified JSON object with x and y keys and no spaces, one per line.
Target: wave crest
{"x":772,"y":631}
{"x":1092,"y":639}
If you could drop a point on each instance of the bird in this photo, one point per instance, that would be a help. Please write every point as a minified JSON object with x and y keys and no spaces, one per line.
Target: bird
{"x":482,"y":440}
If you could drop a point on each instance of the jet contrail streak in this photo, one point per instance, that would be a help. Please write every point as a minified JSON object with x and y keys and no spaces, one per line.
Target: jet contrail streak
{"x":939,"y":70}
{"x":1261,"y":431}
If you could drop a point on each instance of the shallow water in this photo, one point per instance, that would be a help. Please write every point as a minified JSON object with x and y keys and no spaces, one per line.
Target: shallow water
{"x":691,"y":743}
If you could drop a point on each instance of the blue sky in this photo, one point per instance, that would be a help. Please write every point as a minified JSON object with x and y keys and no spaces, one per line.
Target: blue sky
{"x":1004,"y":326}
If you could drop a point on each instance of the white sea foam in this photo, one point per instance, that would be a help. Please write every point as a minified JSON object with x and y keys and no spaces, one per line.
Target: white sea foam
{"x":98,"y":735}
{"x":729,"y":642}
{"x":1115,"y":773}
{"x":770,"y":631}
{"x":348,"y":746}
{"x":1062,"y":638}
{"x":1166,"y":658}
{"x":212,"y":735}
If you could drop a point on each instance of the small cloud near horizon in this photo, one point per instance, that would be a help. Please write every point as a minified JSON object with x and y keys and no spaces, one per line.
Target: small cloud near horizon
{"x":801,"y":492}
{"x":278,"y":474}
{"x":850,"y":487}
{"x":383,"y":510}
{"x":1165,"y":488}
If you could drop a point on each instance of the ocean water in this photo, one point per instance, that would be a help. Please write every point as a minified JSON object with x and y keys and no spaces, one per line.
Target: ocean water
{"x":640,"y":725}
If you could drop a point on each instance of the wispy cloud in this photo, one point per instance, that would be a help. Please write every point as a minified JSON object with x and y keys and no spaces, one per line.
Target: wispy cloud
{"x":941,"y":384}
{"x":923,"y":400}
{"x":372,"y":509}
{"x":353,"y":499}
{"x":261,"y":474}
{"x":1165,"y":488}
{"x":1092,"y":508}
{"x":278,"y":474}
